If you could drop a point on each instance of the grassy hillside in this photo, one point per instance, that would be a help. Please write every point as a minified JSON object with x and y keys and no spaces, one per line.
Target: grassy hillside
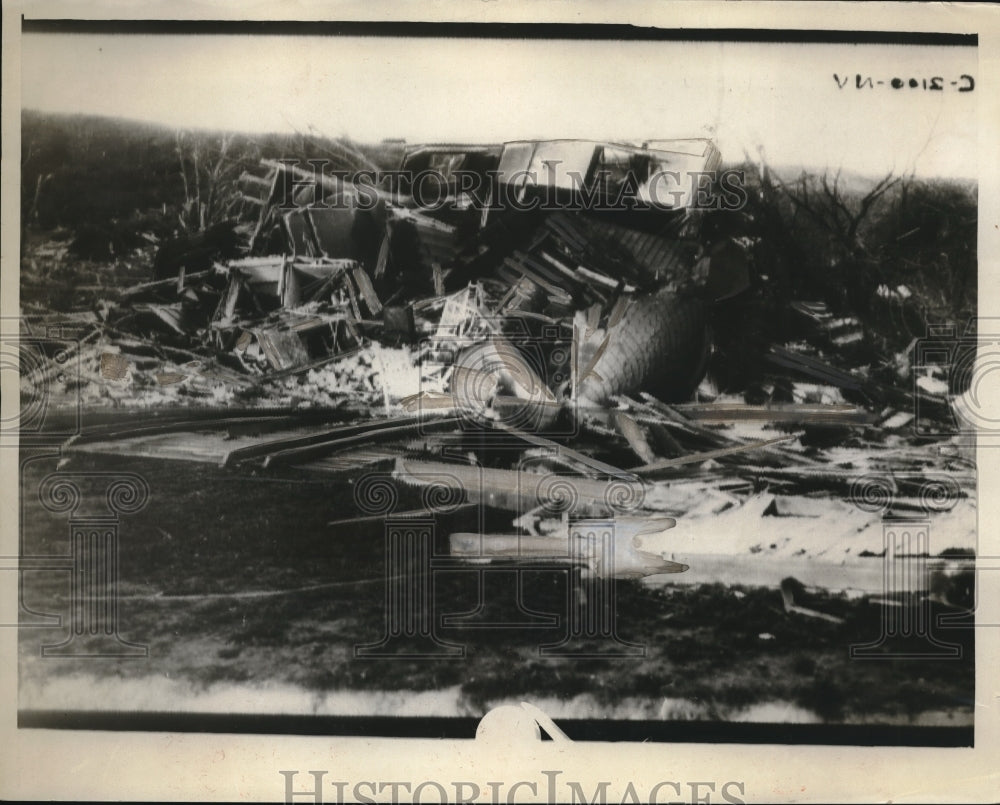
{"x":111,"y":179}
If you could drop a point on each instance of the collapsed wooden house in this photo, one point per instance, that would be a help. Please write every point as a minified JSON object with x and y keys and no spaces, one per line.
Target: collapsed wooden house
{"x":334,"y":261}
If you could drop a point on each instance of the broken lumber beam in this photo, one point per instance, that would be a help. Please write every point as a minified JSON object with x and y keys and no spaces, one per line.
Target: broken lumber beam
{"x":522,"y":492}
{"x":371,"y":518}
{"x":777,"y":413}
{"x":668,"y":463}
{"x":163,"y":284}
{"x":369,"y":435}
{"x":668,"y":411}
{"x":591,"y":464}
{"x":549,"y":287}
{"x":660,"y":428}
{"x":588,"y":370}
{"x":112,"y":432}
{"x":429,"y":401}
{"x":299,"y":440}
{"x":364,"y":283}
{"x":813,"y":367}
{"x":622,"y":304}
{"x":635,"y":437}
{"x":665,"y":442}
{"x":840,"y":479}
{"x":672,"y":418}
{"x":588,"y":275}
{"x":382,"y":261}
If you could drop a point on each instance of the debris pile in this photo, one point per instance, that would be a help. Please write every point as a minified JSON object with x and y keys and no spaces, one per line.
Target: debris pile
{"x":587,"y":299}
{"x":556,"y":276}
{"x":576,"y":315}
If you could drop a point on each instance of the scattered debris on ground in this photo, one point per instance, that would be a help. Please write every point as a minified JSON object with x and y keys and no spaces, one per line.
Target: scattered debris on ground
{"x":584,"y":340}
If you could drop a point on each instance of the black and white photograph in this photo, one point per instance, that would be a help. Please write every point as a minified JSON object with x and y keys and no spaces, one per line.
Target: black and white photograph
{"x":521,"y":380}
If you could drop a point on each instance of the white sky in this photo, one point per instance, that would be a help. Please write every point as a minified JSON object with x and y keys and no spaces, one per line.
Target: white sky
{"x":780,"y":96}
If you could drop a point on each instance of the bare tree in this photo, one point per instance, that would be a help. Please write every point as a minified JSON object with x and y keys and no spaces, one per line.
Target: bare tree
{"x":831,"y":207}
{"x":209,"y":177}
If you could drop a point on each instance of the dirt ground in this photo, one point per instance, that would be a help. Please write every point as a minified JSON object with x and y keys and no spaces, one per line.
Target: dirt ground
{"x":249,"y":601}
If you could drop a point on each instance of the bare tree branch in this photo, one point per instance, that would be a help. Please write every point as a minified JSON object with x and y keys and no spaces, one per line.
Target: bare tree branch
{"x":833,"y":209}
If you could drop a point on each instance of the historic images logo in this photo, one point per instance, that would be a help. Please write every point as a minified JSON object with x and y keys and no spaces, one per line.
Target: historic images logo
{"x":588,"y":551}
{"x":958,"y":370}
{"x":910,"y":574}
{"x":550,"y":786}
{"x":554,"y":185}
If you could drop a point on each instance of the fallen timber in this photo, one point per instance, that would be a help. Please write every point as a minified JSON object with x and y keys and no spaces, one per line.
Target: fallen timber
{"x":636,"y":549}
{"x":715,"y":543}
{"x":526,"y":491}
{"x":668,"y":463}
{"x":777,"y":413}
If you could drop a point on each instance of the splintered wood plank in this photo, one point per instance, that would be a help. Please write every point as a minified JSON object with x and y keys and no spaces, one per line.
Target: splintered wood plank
{"x":666,"y":444}
{"x":383,"y":253}
{"x":367,"y":290}
{"x":198,"y":446}
{"x":593,"y":321}
{"x":303,"y":453}
{"x":438,"y":279}
{"x":283,"y":350}
{"x":353,"y":460}
{"x":231,"y":425}
{"x":522,"y":491}
{"x":709,"y":454}
{"x":589,"y":369}
{"x":349,"y":285}
{"x":635,"y":437}
{"x":311,"y":436}
{"x":581,"y":460}
{"x":813,"y":367}
{"x":622,"y":304}
{"x":783,"y":413}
